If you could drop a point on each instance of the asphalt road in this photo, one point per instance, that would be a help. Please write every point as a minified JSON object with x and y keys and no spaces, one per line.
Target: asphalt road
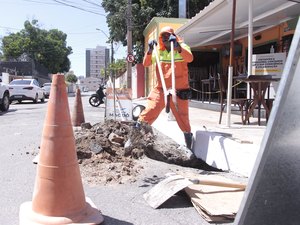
{"x":20,"y":137}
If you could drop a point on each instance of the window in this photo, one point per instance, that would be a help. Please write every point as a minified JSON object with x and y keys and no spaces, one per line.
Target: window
{"x":21,"y":82}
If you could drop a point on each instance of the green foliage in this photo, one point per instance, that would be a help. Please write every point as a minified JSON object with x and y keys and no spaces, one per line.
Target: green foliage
{"x":48,"y":48}
{"x":71,"y":77}
{"x":117,"y":68}
{"x":142,"y":12}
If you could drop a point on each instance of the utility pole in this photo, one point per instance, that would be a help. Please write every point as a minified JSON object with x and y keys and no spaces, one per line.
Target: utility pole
{"x":129,"y":43}
{"x":112,"y":51}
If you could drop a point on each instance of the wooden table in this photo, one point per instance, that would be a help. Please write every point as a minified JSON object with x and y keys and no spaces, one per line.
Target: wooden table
{"x":259,"y":84}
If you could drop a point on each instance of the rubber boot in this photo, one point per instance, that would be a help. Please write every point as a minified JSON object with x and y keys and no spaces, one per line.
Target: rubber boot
{"x":188,"y":137}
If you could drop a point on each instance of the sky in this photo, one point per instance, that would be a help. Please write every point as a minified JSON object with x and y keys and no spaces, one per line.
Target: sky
{"x":81,"y":25}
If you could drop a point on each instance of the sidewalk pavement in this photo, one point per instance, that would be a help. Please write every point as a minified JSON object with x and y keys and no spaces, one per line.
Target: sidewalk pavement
{"x":230,"y":148}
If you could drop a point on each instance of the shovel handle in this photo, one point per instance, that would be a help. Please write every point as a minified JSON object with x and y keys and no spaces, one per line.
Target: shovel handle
{"x":218,"y":183}
{"x":162,"y":79}
{"x":173,"y":73}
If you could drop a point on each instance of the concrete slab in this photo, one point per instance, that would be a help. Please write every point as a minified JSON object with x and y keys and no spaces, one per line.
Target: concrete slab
{"x":231,"y":148}
{"x":225,"y":153}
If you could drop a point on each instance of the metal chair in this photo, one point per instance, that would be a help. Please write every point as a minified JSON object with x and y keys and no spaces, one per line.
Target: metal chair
{"x":209,"y":86}
{"x":242,"y":103}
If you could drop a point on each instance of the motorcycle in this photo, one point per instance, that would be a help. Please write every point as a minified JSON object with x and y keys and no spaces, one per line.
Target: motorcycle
{"x":96,"y":99}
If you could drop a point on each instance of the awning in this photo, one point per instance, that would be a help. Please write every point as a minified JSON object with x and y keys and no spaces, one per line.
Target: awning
{"x":212,"y":25}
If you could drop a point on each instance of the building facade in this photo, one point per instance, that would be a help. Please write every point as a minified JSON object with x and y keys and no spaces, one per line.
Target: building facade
{"x":209,"y":34}
{"x":27,"y":69}
{"x":97,"y":59}
{"x":90,"y":83}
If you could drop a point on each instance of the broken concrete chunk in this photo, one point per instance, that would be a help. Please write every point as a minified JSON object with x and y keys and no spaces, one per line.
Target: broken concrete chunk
{"x":116,"y":139}
{"x":86,"y":126}
{"x":96,"y":148}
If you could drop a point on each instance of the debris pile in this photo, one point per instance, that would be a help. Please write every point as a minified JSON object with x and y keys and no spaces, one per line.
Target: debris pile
{"x":110,"y":152}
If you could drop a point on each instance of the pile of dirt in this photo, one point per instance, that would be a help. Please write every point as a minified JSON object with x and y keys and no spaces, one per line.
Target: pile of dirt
{"x":109,"y":152}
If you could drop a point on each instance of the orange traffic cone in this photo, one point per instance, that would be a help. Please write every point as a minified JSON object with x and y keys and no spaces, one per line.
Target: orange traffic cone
{"x":58,"y":196}
{"x":78,"y":115}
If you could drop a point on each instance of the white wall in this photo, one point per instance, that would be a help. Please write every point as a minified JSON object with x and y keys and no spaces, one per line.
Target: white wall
{"x":5,"y":78}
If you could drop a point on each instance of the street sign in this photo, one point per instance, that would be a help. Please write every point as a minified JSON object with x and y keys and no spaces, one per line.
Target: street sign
{"x":130,"y":58}
{"x":121,"y":109}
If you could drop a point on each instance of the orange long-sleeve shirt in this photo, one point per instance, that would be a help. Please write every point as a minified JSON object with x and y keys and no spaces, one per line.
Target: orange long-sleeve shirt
{"x":181,"y":61}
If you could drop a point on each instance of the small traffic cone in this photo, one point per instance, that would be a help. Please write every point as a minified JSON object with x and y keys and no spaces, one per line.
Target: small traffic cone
{"x":78,"y":115}
{"x":58,"y":196}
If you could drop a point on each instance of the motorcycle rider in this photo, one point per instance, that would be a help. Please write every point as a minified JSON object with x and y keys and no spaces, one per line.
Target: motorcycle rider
{"x":156,"y":100}
{"x":101,"y":94}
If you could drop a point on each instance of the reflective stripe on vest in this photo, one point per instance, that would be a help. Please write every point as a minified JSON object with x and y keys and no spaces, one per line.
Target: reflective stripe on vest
{"x":165,"y":56}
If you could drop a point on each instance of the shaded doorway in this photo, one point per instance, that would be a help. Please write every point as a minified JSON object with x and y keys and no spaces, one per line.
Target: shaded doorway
{"x":205,"y":65}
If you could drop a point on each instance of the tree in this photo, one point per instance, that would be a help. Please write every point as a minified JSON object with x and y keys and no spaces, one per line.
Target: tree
{"x":142,"y":12}
{"x":116,"y":68}
{"x":48,"y":48}
{"x":71,"y":77}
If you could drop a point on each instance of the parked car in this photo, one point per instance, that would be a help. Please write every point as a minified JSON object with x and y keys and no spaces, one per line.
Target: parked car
{"x":47,"y":88}
{"x":26,"y":89}
{"x":4,"y":97}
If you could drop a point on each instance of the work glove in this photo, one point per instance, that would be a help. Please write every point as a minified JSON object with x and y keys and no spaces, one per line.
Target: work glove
{"x":151,"y":43}
{"x":173,"y":39}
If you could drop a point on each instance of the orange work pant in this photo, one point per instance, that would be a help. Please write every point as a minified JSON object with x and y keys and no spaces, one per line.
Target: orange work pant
{"x":156,"y":103}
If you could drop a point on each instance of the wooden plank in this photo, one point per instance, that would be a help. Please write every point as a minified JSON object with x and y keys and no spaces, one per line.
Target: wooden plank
{"x":165,"y":189}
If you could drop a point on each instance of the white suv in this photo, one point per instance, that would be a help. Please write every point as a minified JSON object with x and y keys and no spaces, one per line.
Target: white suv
{"x":4,"y":96}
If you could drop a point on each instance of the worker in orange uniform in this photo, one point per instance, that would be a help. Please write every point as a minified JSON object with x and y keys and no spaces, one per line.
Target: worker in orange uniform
{"x":156,"y":99}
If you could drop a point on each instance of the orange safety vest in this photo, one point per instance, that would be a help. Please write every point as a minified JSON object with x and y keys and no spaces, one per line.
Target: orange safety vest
{"x":181,"y":69}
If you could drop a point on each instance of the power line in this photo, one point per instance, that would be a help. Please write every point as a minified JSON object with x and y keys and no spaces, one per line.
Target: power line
{"x":85,"y":4}
{"x":76,"y":7}
{"x":10,"y":28}
{"x":92,"y":3}
{"x":41,"y":2}
{"x":87,"y":8}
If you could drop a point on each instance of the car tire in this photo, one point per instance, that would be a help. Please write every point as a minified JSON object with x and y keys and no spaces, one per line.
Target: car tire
{"x":4,"y":106}
{"x":35,"y":100}
{"x":43,"y":98}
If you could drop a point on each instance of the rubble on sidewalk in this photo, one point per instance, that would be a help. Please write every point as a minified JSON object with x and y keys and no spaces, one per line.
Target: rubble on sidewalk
{"x":104,"y":158}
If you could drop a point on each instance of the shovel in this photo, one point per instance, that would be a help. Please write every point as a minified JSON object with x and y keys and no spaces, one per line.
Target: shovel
{"x":165,"y":189}
{"x":160,"y":73}
{"x":173,"y":92}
